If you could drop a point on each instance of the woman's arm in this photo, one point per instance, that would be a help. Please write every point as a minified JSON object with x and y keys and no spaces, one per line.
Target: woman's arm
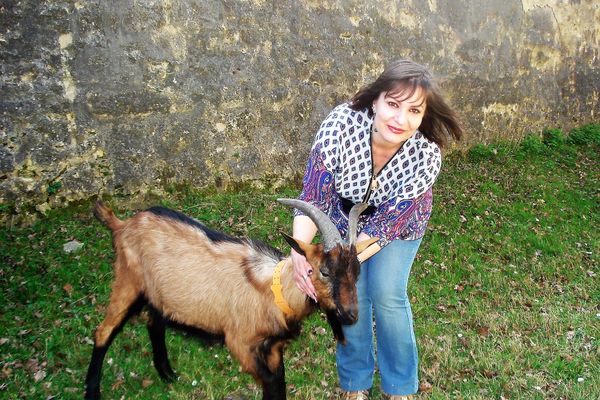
{"x":303,"y":229}
{"x":318,"y":189}
{"x":399,"y":219}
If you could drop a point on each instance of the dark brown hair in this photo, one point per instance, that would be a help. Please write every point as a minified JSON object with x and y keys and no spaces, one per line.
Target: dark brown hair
{"x":403,"y":78}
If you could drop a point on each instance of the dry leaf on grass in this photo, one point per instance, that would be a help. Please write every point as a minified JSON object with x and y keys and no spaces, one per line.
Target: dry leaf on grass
{"x":425,"y":387}
{"x":146,"y":383}
{"x":39,"y":375}
{"x":68,"y":288}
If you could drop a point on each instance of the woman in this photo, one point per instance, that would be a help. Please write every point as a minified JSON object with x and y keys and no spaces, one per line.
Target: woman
{"x":382,"y":148}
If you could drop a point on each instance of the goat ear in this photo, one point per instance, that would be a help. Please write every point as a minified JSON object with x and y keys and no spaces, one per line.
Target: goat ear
{"x":296,"y":244}
{"x":362,"y":245}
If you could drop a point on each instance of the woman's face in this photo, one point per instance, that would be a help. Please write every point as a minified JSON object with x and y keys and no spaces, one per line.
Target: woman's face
{"x":397,"y":118}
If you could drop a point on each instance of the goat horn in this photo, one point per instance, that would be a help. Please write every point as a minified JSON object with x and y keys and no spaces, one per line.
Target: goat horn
{"x":355,"y":212}
{"x":329,"y":234}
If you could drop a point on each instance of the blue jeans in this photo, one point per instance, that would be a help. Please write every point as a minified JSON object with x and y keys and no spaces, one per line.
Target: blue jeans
{"x":382,"y":293}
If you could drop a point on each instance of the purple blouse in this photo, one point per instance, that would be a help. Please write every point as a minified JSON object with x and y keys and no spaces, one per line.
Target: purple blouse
{"x":340,"y":167}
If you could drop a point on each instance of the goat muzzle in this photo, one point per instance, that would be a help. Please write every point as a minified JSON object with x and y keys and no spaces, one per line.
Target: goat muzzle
{"x":348,"y":316}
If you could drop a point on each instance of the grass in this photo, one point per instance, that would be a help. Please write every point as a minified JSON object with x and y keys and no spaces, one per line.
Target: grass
{"x":505,"y":289}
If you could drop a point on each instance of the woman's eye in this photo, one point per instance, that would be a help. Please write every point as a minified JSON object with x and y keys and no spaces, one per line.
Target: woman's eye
{"x":415,"y":111}
{"x":392,"y":104}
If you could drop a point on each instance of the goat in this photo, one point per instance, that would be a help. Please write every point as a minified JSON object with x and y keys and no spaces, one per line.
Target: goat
{"x":192,"y":276}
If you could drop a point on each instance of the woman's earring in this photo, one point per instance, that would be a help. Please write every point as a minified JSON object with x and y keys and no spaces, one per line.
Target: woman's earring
{"x":373,"y":109}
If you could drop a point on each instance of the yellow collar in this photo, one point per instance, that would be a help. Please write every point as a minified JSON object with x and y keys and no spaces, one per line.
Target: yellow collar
{"x":276,"y":289}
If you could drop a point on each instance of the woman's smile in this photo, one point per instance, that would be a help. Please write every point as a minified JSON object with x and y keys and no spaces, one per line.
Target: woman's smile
{"x":395,"y":130}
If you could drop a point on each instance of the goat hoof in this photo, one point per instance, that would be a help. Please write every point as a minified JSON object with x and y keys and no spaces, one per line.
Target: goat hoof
{"x":173,"y":378}
{"x":165,"y":371}
{"x":169,"y":376}
{"x":92,"y":394}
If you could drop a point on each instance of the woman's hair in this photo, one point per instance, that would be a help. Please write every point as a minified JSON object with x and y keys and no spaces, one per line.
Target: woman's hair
{"x":403,"y":78}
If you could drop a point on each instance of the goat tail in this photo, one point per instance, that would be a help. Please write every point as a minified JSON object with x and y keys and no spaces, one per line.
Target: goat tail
{"x":105,"y":215}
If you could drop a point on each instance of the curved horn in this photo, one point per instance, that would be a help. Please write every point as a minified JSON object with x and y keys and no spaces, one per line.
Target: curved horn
{"x":329,"y":234}
{"x":355,"y":212}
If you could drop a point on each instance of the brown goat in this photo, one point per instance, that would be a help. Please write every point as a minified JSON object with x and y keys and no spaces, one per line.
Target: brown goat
{"x":191,"y":276}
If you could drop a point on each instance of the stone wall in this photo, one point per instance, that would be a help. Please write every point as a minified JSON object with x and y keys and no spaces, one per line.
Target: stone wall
{"x":129,"y":96}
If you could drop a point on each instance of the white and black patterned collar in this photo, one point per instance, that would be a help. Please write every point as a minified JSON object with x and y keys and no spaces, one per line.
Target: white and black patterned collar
{"x":345,"y":140}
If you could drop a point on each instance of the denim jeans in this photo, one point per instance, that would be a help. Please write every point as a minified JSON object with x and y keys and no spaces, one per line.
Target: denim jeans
{"x":382,"y":294}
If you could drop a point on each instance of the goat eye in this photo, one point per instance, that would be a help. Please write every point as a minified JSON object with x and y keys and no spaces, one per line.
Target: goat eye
{"x":325,"y":273}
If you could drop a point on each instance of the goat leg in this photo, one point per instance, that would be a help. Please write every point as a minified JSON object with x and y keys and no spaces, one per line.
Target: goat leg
{"x":156,"y":330}
{"x":125,"y":301}
{"x":92,"y":380}
{"x":274,"y":388}
{"x":270,"y":368}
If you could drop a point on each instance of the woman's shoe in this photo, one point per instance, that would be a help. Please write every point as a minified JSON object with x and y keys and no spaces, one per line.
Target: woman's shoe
{"x":359,"y":395}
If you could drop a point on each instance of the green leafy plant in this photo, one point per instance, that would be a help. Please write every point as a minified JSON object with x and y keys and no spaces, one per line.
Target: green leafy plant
{"x":587,"y":134}
{"x":480,"y":152}
{"x":54,"y":187}
{"x":554,"y":137}
{"x":532,"y":144}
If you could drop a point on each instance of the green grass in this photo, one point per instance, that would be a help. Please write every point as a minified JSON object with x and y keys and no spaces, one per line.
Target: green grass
{"x":505,"y":289}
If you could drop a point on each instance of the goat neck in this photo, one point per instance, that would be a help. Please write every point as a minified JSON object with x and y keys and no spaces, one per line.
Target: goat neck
{"x":297,"y":300}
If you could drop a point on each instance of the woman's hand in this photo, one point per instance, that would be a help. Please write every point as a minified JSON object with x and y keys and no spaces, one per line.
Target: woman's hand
{"x":302,"y":273}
